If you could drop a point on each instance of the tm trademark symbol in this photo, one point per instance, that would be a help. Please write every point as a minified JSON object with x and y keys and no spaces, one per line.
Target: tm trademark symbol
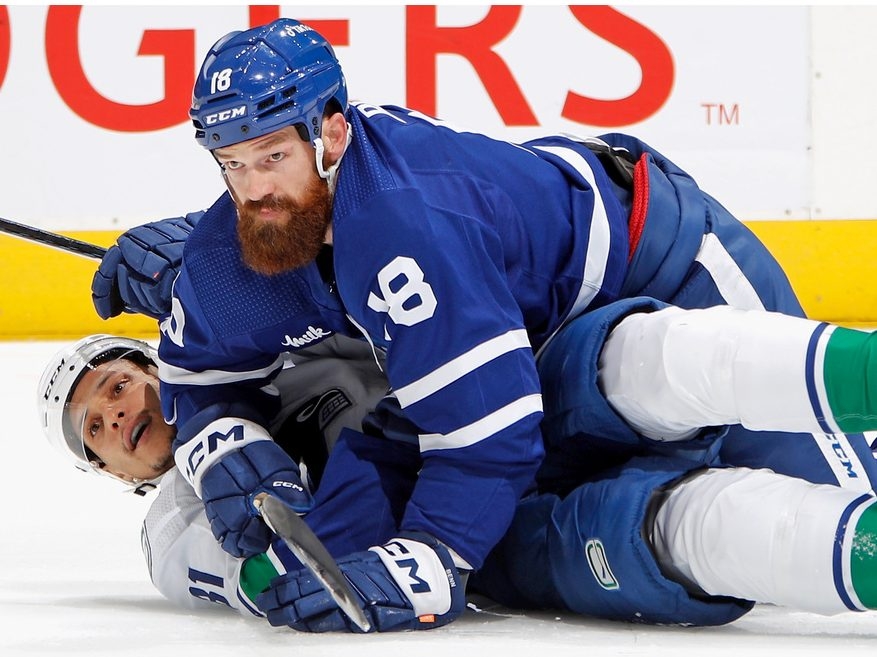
{"x":722,"y":114}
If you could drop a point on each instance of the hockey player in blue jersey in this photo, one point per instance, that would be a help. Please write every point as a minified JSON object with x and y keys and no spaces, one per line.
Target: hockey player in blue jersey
{"x":643,"y":542}
{"x":464,"y":260}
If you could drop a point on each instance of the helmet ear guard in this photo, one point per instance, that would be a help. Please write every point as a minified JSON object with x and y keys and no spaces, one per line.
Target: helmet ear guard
{"x":256,"y":82}
{"x":57,"y":384}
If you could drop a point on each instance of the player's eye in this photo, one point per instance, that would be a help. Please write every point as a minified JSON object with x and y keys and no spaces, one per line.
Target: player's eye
{"x":276,"y":157}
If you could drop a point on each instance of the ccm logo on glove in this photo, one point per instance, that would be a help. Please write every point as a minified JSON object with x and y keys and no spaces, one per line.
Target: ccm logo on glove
{"x":414,"y":566}
{"x":286,"y":484}
{"x":215,"y":440}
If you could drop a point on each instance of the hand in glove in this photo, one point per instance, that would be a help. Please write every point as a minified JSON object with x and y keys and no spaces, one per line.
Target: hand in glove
{"x":409,"y":583}
{"x":230,"y":485}
{"x":136,"y":274}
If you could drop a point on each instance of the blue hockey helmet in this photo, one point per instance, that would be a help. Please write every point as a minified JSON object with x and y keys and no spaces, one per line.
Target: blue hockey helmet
{"x":256,"y":82}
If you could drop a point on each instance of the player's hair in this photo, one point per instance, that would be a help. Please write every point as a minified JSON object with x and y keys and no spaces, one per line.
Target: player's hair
{"x":258,"y":81}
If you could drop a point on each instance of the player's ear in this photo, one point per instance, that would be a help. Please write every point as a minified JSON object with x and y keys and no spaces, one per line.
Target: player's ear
{"x":334,"y":135}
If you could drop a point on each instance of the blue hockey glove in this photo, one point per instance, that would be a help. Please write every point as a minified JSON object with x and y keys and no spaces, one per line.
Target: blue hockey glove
{"x":409,"y":583}
{"x":229,"y":486}
{"x":137,"y":272}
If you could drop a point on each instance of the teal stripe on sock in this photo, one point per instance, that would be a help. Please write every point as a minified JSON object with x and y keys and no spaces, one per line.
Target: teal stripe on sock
{"x":256,"y":573}
{"x":863,"y":558}
{"x":850,"y":376}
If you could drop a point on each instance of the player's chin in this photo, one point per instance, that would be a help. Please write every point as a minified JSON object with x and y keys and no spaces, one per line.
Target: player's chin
{"x":156,"y":462}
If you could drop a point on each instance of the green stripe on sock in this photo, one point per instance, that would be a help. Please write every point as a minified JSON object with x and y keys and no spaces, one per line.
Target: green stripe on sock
{"x":256,"y":573}
{"x":863,"y":558}
{"x":850,"y":376}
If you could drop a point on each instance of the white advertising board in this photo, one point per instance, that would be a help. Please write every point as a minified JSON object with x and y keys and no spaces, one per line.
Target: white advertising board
{"x":94,"y":99}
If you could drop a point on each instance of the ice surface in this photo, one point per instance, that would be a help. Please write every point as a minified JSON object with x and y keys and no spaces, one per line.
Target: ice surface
{"x":73,"y":582}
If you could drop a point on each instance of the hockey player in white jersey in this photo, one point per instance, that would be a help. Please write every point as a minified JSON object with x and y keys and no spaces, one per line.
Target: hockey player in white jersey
{"x":494,"y":276}
{"x":656,"y":540}
{"x":99,"y":407}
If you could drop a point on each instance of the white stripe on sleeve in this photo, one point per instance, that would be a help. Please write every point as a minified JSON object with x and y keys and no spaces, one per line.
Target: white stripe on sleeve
{"x":599,"y":238}
{"x":462,"y":365}
{"x":727,"y":275}
{"x":485,"y":427}
{"x":181,"y":376}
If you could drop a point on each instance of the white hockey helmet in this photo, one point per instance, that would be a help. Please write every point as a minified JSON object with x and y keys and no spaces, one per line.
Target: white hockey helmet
{"x":59,"y":380}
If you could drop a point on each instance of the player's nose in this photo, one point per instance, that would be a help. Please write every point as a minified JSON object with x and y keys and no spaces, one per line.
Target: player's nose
{"x":129,"y":405}
{"x":258,"y":184}
{"x":115,"y":417}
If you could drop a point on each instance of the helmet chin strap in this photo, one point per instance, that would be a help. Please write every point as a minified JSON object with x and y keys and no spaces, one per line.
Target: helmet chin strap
{"x":330,"y":174}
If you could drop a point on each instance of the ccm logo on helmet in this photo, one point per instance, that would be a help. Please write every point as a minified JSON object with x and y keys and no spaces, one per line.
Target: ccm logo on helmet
{"x":225,"y":115}
{"x":54,"y":376}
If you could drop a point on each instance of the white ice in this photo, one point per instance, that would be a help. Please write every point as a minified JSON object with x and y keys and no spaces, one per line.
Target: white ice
{"x":73,"y":582}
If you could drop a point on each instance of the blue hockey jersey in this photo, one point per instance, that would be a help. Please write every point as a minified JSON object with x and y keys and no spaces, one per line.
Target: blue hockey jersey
{"x":458,"y":256}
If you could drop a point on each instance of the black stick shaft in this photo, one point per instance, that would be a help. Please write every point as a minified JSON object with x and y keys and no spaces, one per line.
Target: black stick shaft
{"x":52,"y":239}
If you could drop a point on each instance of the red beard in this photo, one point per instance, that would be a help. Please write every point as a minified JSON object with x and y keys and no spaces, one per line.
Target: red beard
{"x":274,"y":247}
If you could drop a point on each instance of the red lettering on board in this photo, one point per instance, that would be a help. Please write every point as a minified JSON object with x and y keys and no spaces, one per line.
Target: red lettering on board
{"x":650,"y":52}
{"x":425,"y":41}
{"x":5,"y":42}
{"x":65,"y":67}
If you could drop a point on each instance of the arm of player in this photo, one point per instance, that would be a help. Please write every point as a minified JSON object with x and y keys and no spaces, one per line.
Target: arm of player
{"x":137,"y":272}
{"x":460,"y":363}
{"x":190,"y":569}
{"x":366,"y":477}
{"x":221,"y":401}
{"x":185,"y":563}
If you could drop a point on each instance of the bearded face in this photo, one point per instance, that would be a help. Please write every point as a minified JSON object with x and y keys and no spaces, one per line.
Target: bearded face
{"x":275,"y":246}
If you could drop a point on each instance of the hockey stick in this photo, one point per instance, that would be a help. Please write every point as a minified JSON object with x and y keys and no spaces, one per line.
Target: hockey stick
{"x":312,"y":553}
{"x":52,"y":239}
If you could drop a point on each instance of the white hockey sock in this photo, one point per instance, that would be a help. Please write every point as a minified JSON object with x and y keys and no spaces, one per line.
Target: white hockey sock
{"x":760,"y":536}
{"x":671,"y":372}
